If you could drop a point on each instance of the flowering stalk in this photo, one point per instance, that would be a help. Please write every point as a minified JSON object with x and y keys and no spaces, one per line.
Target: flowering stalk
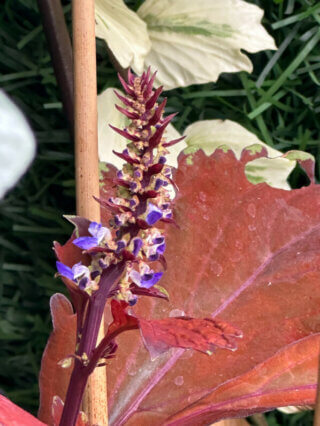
{"x":116,"y":261}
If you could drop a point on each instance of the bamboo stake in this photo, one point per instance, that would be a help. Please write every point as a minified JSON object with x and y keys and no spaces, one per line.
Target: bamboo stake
{"x":316,"y":419}
{"x":87,"y":175}
{"x":232,"y":422}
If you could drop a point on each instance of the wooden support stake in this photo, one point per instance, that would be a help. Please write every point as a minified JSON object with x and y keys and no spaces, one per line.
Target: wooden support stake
{"x":316,"y":418}
{"x":87,"y":174}
{"x":232,"y":422}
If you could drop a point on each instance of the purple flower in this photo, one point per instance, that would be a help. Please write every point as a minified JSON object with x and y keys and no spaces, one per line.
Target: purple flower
{"x":77,"y":272}
{"x":120,"y":245}
{"x":158,"y":184}
{"x":155,"y":252}
{"x":137,"y":244}
{"x":147,"y":279}
{"x":161,"y":248}
{"x":158,"y":240}
{"x":153,"y":214}
{"x":98,"y":233}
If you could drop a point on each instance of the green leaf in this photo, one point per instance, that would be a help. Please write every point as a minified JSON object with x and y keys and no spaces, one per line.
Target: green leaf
{"x":194,"y":42}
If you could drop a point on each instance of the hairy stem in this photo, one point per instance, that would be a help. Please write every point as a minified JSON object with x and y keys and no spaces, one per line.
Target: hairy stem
{"x":88,"y":343}
{"x":74,"y":396}
{"x":81,"y":372}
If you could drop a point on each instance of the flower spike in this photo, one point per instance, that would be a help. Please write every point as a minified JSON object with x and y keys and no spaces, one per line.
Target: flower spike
{"x":125,"y":259}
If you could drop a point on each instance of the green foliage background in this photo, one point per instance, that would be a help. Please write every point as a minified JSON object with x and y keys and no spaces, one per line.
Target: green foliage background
{"x":280,"y":102}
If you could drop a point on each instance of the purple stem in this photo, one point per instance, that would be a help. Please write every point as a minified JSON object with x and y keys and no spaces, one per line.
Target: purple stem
{"x":88,"y":342}
{"x":75,"y":392}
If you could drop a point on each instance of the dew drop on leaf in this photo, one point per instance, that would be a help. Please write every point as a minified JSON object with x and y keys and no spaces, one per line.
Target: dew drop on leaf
{"x":176,"y":313}
{"x":202,"y":196}
{"x":251,"y":210}
{"x":216,"y":268}
{"x":239,"y":244}
{"x":179,"y":380}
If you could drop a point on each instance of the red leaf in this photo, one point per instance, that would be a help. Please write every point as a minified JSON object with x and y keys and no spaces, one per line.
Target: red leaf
{"x":269,"y":383}
{"x":57,"y":408}
{"x":69,"y":254}
{"x":54,"y":379}
{"x":203,"y":335}
{"x":249,"y":254}
{"x":12,"y":415}
{"x":121,"y":320}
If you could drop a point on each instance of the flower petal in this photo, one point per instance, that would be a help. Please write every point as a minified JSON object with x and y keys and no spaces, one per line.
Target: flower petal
{"x":65,"y":271}
{"x":149,"y":280}
{"x":161,"y":249}
{"x":137,"y":244}
{"x":98,"y":231}
{"x":136,"y":277}
{"x":80,"y":270}
{"x":153,"y":215}
{"x":86,"y":243}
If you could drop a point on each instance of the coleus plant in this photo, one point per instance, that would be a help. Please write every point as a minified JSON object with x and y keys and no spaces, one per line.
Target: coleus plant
{"x":247,"y":253}
{"x":236,"y":251}
{"x":115,"y":263}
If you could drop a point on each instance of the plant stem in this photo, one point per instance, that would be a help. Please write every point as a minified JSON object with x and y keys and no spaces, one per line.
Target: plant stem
{"x":80,"y":373}
{"x":75,"y":392}
{"x":58,"y":38}
{"x":87,"y":345}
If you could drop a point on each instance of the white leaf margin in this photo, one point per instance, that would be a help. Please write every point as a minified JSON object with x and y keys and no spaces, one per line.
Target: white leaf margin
{"x":193,"y":42}
{"x":187,"y":42}
{"x":124,"y":32}
{"x":17,"y":144}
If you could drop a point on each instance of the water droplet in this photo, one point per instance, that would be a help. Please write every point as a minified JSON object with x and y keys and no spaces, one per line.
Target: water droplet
{"x":205,"y":217}
{"x":251,"y":228}
{"x":177,"y":313}
{"x":190,"y":399}
{"x":188,"y":353}
{"x":238,"y":244}
{"x":216,"y":268}
{"x":179,"y":381}
{"x":251,"y":210}
{"x":132,"y":371}
{"x":202,"y":196}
